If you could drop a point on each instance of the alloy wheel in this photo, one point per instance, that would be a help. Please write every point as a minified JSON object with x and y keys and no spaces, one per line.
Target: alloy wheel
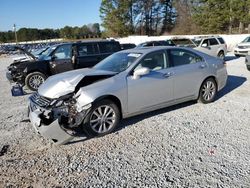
{"x":208,"y":90}
{"x":102,"y":119}
{"x":35,"y":81}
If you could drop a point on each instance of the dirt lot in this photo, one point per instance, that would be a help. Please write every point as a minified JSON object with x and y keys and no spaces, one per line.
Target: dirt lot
{"x":188,"y":145}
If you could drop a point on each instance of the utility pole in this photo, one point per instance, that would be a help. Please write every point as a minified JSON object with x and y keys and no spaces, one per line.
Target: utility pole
{"x":14,"y":28}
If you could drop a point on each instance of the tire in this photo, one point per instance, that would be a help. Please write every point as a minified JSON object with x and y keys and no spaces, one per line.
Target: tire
{"x":208,"y":91}
{"x":96,"y":121}
{"x":34,"y":80}
{"x":237,"y":55}
{"x":248,"y":67}
{"x":221,"y":55}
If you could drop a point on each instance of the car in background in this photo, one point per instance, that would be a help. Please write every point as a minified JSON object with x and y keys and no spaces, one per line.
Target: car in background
{"x":59,"y":58}
{"x":211,"y":45}
{"x":243,"y":48}
{"x":125,"y":84}
{"x":247,"y":61}
{"x":156,"y":43}
{"x":126,"y":46}
{"x":183,"y":42}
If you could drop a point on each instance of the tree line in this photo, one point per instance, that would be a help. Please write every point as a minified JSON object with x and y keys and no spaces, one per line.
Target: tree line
{"x":29,"y":34}
{"x":157,"y":17}
{"x":152,"y":17}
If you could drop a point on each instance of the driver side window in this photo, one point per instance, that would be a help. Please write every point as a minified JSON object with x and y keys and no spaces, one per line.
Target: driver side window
{"x":155,"y":61}
{"x":63,"y":52}
{"x":205,"y":42}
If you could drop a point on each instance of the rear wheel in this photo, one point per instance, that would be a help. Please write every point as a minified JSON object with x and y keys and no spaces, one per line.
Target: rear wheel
{"x":34,"y":80}
{"x":102,"y":119}
{"x":208,"y":91}
{"x":221,"y":55}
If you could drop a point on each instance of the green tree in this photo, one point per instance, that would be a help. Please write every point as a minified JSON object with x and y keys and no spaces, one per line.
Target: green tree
{"x":116,"y":17}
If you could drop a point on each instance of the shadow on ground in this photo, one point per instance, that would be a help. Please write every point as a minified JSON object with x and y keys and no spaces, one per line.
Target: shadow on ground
{"x":230,"y":58}
{"x":233,"y":82}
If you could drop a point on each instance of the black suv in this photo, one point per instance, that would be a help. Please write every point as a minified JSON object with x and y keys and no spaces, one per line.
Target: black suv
{"x":59,"y":58}
{"x":156,"y":43}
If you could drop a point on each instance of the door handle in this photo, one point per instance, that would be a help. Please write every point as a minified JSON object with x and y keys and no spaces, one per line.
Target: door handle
{"x":167,"y":75}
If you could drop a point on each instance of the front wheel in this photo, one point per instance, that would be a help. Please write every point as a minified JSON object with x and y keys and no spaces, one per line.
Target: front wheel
{"x":102,"y":119}
{"x":208,"y":91}
{"x":34,"y":80}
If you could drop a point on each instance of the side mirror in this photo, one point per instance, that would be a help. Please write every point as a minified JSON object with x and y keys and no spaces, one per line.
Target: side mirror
{"x":140,"y":72}
{"x":204,"y":45}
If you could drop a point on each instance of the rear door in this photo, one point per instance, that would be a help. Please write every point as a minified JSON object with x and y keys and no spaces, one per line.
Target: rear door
{"x":188,"y":72}
{"x":61,"y":59}
{"x":87,"y":55}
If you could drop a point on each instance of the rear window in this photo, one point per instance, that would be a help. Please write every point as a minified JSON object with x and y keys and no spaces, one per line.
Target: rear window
{"x":109,"y":47}
{"x":213,"y":41}
{"x":221,"y":40}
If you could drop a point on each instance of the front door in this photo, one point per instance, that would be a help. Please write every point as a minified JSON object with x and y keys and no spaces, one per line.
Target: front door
{"x":61,"y":60}
{"x":153,"y":89}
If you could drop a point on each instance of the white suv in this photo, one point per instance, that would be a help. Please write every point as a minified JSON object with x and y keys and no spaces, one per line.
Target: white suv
{"x":243,"y":48}
{"x":212,"y":45}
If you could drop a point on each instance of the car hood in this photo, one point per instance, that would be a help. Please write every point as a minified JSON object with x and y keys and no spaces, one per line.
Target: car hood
{"x":69,"y":82}
{"x":25,"y":52}
{"x":244,"y":44}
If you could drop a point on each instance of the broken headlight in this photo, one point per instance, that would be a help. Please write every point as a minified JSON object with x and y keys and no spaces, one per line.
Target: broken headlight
{"x":68,"y":110}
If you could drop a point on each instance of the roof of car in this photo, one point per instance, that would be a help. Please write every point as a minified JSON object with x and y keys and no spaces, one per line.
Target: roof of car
{"x":147,"y":49}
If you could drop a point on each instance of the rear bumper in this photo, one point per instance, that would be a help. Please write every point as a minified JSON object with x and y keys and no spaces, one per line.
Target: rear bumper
{"x":222,"y":78}
{"x":53,"y":131}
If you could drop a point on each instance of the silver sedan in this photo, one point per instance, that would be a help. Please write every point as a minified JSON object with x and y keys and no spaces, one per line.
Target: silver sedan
{"x":125,"y":84}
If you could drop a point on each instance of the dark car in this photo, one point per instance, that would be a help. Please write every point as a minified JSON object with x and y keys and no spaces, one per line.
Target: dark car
{"x":126,"y":46}
{"x":156,"y":43}
{"x":60,"y":58}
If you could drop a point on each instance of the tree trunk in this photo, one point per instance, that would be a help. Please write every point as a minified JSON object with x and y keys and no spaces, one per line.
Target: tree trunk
{"x":241,"y":26}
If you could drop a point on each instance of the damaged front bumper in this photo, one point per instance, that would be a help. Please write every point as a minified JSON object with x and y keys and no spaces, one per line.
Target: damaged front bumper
{"x":53,"y":130}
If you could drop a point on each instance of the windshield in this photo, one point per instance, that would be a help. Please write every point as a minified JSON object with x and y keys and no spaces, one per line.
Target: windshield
{"x":39,"y":52}
{"x":184,"y":42}
{"x":46,"y":53}
{"x":117,"y":62}
{"x":246,"y":39}
{"x":197,"y":41}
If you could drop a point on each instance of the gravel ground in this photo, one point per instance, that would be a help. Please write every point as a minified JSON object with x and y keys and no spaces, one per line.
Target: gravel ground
{"x":188,"y":145}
